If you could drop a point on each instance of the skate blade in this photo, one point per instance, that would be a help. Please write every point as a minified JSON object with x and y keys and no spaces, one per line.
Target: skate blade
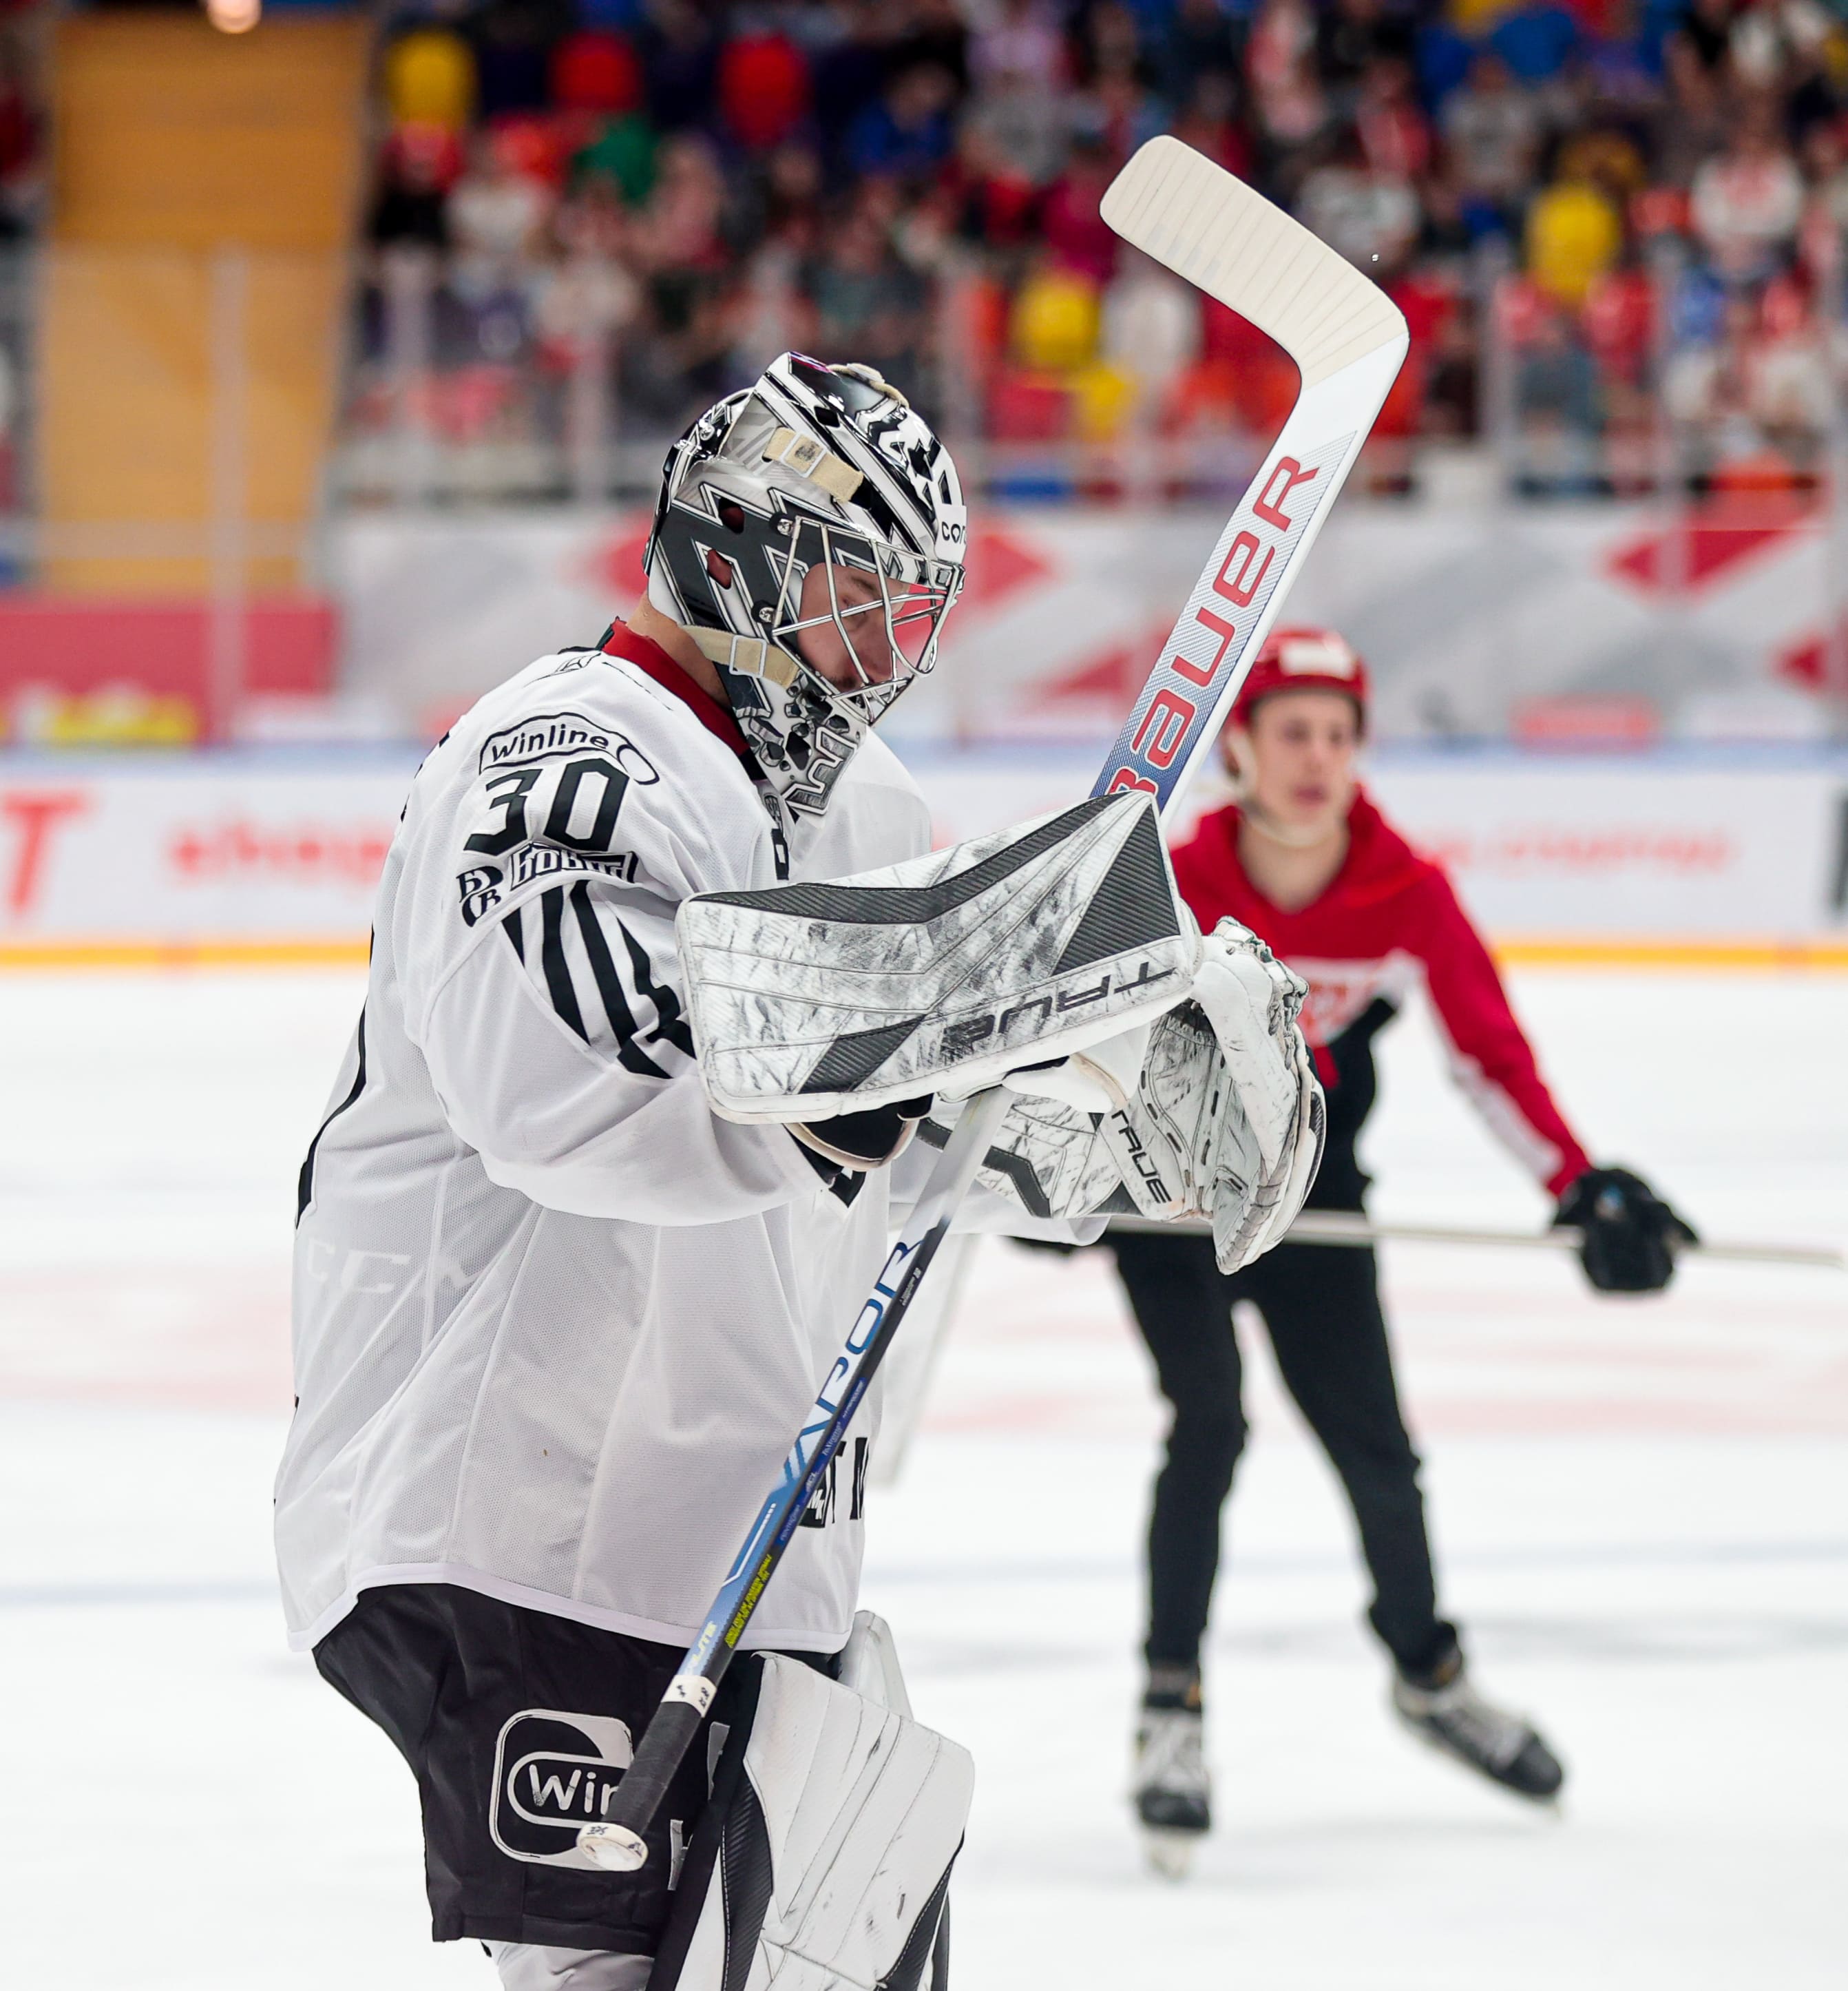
{"x":1169,"y":1855}
{"x":1550,"y":1802}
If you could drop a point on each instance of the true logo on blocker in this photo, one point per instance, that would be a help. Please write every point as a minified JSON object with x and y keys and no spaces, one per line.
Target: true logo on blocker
{"x":554,"y":1774}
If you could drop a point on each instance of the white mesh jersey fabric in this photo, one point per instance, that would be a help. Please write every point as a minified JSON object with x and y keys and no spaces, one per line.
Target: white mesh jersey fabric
{"x":555,"y":1324}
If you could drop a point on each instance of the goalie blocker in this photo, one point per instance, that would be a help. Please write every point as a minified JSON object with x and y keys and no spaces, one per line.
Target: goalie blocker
{"x":940,"y":974}
{"x":1155,"y":1071}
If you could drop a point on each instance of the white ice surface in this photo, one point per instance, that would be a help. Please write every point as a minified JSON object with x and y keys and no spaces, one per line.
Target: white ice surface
{"x":1639,"y":1509}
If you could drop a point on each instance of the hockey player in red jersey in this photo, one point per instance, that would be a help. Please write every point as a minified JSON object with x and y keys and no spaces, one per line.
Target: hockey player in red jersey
{"x":1306,"y":860}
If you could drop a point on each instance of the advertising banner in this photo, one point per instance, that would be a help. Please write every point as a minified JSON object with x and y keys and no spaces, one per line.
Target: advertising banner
{"x":1601,"y":622}
{"x":233,"y":857}
{"x":266,"y":856}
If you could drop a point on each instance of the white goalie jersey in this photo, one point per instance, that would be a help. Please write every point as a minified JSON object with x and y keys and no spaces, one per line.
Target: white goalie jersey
{"x":554,"y":1322}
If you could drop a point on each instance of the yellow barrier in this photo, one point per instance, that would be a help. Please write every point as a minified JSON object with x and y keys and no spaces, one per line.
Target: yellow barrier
{"x":1600,"y":950}
{"x":203,"y":188}
{"x":284,"y":951}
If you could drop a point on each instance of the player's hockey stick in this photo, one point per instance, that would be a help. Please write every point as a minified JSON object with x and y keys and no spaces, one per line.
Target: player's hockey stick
{"x":1337,"y":1227}
{"x":1348,"y":341}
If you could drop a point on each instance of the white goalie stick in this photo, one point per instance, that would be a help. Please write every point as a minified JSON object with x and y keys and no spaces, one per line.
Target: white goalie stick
{"x":1348,"y":342}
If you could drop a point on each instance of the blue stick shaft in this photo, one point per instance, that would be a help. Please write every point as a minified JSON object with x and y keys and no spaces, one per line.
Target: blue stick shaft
{"x":645,"y":1782}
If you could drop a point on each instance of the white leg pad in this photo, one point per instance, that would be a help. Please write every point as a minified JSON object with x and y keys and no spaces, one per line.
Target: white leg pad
{"x":869,"y":1664}
{"x":836,"y":1843}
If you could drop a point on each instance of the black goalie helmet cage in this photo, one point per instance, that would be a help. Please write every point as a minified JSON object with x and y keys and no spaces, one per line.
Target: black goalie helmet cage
{"x":815,"y":513}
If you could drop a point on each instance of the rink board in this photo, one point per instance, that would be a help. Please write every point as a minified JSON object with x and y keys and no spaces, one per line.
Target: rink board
{"x":1684,"y":857}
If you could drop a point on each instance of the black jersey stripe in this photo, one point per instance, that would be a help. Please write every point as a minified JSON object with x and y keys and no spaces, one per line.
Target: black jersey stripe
{"x":304,"y":1183}
{"x":610,"y":985}
{"x":671,"y":1026}
{"x":552,"y":960}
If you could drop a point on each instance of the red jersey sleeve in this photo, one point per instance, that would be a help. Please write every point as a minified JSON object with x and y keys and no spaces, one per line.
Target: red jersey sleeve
{"x":1207,"y":868}
{"x":1491,"y":1057}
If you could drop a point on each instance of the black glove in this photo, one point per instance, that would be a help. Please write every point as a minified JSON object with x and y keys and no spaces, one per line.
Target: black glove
{"x":857,"y":1142}
{"x":1631,"y":1235}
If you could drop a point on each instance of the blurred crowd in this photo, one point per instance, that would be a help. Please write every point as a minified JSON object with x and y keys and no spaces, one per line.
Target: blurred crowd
{"x":21,"y":152}
{"x":1614,"y":225}
{"x":1636,"y":203}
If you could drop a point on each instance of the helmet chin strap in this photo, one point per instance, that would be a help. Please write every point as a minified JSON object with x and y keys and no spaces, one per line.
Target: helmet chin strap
{"x":749,"y":654}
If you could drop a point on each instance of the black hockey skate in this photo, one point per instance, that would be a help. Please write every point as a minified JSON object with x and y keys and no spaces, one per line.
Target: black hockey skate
{"x":1171,"y":1784}
{"x":1444,"y":1709}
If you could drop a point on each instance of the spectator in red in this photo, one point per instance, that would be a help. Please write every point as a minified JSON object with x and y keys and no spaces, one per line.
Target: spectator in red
{"x":998,"y":199}
{"x":1394,"y":134}
{"x":18,"y":145}
{"x":1288,"y":100}
{"x":597,"y":72}
{"x":790,"y":192}
{"x":1207,"y":121}
{"x":1071,"y":223}
{"x":764,"y":90}
{"x":681,"y":227}
{"x":418,"y":166}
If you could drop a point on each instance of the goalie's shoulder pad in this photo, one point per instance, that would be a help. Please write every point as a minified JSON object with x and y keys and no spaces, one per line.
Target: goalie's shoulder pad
{"x":940,"y":974}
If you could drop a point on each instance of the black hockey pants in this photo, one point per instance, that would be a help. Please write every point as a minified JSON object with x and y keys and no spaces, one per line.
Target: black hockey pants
{"x":1321,"y":1307}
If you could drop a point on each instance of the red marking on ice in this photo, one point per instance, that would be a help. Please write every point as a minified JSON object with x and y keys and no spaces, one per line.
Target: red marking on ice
{"x":204,"y":1337}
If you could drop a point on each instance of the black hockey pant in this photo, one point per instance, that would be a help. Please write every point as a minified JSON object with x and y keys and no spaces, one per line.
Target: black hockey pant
{"x":1321,"y":1304}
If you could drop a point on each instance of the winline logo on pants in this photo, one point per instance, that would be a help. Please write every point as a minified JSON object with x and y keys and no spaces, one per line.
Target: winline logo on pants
{"x":554,"y":1773}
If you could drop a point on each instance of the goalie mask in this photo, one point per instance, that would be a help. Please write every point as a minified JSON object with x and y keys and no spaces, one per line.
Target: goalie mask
{"x":809,"y":538}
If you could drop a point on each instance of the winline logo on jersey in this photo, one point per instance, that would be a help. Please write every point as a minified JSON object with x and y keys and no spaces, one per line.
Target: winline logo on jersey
{"x":554,"y":1773}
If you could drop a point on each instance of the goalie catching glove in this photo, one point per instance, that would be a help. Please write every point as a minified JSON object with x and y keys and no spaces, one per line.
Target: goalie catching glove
{"x":1224,"y":1119}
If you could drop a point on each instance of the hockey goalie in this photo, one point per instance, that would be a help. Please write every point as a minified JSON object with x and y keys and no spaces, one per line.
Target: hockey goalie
{"x":668,"y":999}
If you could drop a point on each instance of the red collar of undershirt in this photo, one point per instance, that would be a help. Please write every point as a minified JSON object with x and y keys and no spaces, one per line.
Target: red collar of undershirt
{"x":652,"y":661}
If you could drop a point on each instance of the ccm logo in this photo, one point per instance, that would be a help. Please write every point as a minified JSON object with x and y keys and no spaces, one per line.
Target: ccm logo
{"x":1172,"y":711}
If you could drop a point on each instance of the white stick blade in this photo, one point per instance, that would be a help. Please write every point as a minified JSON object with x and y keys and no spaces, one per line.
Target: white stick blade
{"x":1228,"y":241}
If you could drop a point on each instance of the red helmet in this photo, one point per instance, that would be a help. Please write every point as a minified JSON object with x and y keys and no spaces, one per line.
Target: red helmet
{"x":1303,"y":659}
